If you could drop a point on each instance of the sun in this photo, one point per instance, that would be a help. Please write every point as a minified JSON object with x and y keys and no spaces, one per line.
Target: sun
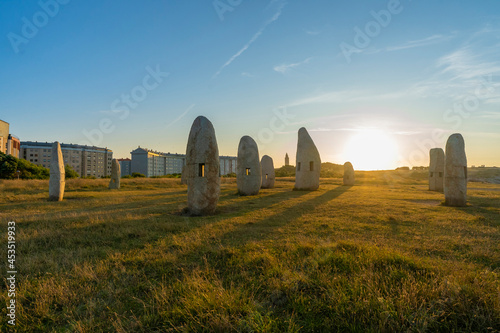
{"x":371,"y":149}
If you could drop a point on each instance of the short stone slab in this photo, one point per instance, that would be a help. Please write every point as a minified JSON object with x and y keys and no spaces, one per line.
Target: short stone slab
{"x":436,"y":169}
{"x":248,"y":170}
{"x":455,"y":172}
{"x":348,"y":179}
{"x":268,"y":176}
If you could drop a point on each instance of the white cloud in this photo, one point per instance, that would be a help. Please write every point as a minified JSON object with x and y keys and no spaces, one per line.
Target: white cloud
{"x":434,"y":39}
{"x":254,"y":38}
{"x":283,"y":68}
{"x":181,"y":115}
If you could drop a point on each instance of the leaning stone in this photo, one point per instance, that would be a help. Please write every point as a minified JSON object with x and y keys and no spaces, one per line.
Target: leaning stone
{"x":202,"y":167}
{"x":268,"y":176}
{"x":248,"y":171}
{"x":114,"y":183}
{"x":436,"y":169}
{"x":308,"y":163}
{"x":348,"y":174}
{"x":57,"y":174}
{"x":455,"y":172}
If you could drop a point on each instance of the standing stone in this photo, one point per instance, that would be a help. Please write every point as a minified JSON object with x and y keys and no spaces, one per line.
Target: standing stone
{"x":348,"y":174}
{"x":268,"y":176}
{"x":248,"y":171}
{"x":436,"y":170}
{"x":114,"y":183}
{"x":202,"y":168}
{"x":455,"y":172}
{"x":184,"y":176}
{"x":57,"y":174}
{"x":308,"y":163}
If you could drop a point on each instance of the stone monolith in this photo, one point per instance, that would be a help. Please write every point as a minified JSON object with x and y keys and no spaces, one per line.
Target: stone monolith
{"x":348,"y":174}
{"x":57,"y":174}
{"x":268,"y":176}
{"x":455,"y":172}
{"x":202,"y":168}
{"x":436,"y":169}
{"x":114,"y":183}
{"x":308,"y":163}
{"x":248,"y":171}
{"x":183,"y":175}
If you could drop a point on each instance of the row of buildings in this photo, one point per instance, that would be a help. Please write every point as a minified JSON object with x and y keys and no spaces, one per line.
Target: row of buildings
{"x":153,"y":163}
{"x":85,"y":160}
{"x":95,"y":161}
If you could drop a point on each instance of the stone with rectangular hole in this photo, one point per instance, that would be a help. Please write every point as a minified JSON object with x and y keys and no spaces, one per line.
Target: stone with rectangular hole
{"x":268,"y":176}
{"x":248,"y":171}
{"x":202,"y":168}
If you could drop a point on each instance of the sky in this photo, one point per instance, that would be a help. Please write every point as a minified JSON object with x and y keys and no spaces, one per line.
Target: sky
{"x":377,"y":83}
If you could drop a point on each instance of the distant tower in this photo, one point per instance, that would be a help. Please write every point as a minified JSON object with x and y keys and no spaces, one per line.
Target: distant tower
{"x":287,"y":160}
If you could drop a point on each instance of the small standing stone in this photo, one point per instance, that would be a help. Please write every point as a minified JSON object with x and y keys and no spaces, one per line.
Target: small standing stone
{"x":455,"y":172}
{"x":348,"y":174}
{"x":268,"y":176}
{"x":308,"y":163}
{"x":57,"y":174}
{"x":248,"y":171}
{"x":114,"y":183}
{"x":202,"y":167}
{"x":436,"y":169}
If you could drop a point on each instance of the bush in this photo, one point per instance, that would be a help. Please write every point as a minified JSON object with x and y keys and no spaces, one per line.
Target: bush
{"x":230,"y":175}
{"x":9,"y":165}
{"x":137,"y":175}
{"x":70,"y":172}
{"x":285,"y":171}
{"x":127,"y":176}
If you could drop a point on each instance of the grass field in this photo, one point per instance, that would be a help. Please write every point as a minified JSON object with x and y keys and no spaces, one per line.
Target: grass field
{"x":383,"y":255}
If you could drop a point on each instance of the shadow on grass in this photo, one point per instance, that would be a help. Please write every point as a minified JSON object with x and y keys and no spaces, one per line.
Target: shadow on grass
{"x":126,"y":226}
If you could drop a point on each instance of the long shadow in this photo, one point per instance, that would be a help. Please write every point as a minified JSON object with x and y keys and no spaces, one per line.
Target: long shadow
{"x":105,"y":236}
{"x":278,"y":220}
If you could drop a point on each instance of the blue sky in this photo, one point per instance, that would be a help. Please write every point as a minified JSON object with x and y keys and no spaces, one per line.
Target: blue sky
{"x":120,"y":74}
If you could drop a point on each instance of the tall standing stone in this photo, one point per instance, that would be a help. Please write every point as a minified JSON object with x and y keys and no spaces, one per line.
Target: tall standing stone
{"x":455,"y":172}
{"x":183,"y":175}
{"x":57,"y":174}
{"x":436,"y":169}
{"x":348,"y":174}
{"x":114,"y":183}
{"x":202,"y":168}
{"x":308,"y":163}
{"x":268,"y":176}
{"x":248,"y":171}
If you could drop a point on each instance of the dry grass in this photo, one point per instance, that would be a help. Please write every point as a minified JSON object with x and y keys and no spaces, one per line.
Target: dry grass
{"x":380,"y":256}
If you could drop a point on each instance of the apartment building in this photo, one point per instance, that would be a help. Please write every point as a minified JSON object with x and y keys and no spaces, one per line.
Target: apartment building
{"x":153,"y":163}
{"x":85,"y":160}
{"x":9,"y":143}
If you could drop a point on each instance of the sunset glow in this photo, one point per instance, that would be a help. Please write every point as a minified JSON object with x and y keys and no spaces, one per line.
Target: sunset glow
{"x":371,"y":149}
